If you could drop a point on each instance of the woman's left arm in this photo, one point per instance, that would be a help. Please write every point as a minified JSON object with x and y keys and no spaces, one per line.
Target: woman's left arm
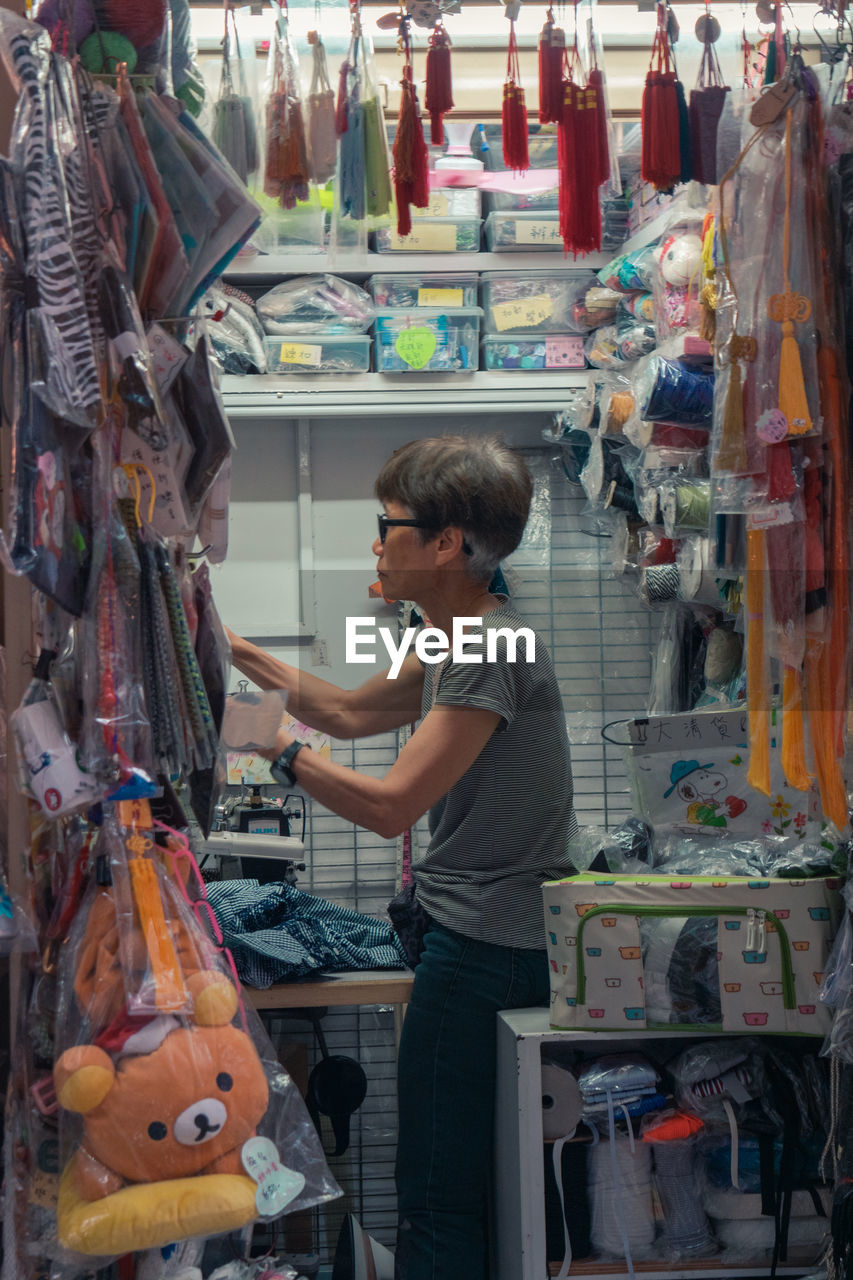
{"x":442,"y":748}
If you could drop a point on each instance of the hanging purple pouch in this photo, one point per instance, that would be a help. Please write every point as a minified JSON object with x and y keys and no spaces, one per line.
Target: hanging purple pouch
{"x":706,"y":107}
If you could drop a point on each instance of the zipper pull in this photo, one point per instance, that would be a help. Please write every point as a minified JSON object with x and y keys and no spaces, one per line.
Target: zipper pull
{"x":750,"y":929}
{"x":760,"y":931}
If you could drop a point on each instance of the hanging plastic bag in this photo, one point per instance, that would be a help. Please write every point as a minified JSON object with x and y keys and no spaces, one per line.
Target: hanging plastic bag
{"x":234,"y":130}
{"x":322,"y":138}
{"x":286,"y":171}
{"x":188,"y":1127}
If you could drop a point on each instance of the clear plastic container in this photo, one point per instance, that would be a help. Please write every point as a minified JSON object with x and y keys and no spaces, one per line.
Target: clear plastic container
{"x":531,"y":232}
{"x":546,"y":201}
{"x":319,"y":353}
{"x":451,"y":202}
{"x":521,"y":302}
{"x":432,"y":235}
{"x":427,"y":340}
{"x":533,"y":351}
{"x":441,"y":290}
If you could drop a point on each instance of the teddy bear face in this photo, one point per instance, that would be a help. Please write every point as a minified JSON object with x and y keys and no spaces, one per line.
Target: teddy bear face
{"x":173,"y":1112}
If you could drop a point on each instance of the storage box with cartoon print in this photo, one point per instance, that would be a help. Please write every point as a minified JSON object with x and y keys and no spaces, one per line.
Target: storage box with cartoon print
{"x":714,"y":953}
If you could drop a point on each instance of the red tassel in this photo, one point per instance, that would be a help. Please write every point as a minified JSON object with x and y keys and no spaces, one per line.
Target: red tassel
{"x":661,"y":126}
{"x":577,"y":160}
{"x":439,"y":91}
{"x":552,"y":45}
{"x":596,"y":83}
{"x":411,"y":160}
{"x":514,"y":112}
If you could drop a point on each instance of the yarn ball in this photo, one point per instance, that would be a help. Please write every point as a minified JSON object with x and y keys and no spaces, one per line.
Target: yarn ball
{"x":142,"y":21}
{"x":54,"y":16}
{"x":102,"y":52}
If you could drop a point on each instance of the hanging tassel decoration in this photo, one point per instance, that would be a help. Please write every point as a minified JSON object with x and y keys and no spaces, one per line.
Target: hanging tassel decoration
{"x":661,"y":130}
{"x":708,"y":292}
{"x":552,"y":46}
{"x":731,"y":451}
{"x":234,"y":130}
{"x":786,"y":308}
{"x":322,"y":133}
{"x":411,"y":159}
{"x":758,"y":773}
{"x":595,"y":84}
{"x":439,"y":90}
{"x":514,"y":112}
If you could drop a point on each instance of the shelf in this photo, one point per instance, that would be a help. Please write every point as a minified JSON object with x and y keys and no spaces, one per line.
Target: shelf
{"x":700,"y":1269}
{"x":393,"y":395}
{"x":295,"y":264}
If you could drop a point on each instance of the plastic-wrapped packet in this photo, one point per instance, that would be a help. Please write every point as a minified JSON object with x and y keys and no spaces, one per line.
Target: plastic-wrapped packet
{"x":236,"y":335}
{"x":176,"y":1122}
{"x":614,"y":345}
{"x":686,"y":1230}
{"x":631,"y":272}
{"x":63,"y":370}
{"x":316,"y":304}
{"x":606,"y":478}
{"x":47,"y":758}
{"x":234,"y":130}
{"x":623,"y":1078}
{"x":668,"y":392}
{"x":677,"y":279}
{"x":626,"y":848}
{"x":680,"y":975}
{"x":133,"y":366}
{"x":579,"y":413}
{"x":286,"y":170}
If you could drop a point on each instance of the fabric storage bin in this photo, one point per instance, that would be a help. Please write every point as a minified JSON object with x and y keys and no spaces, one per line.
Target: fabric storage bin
{"x":533,"y":351}
{"x":319,"y":353}
{"x":446,"y":290}
{"x":427,"y":340}
{"x":523,"y":232}
{"x":432,"y":235}
{"x":771,"y":943}
{"x":519,"y":302}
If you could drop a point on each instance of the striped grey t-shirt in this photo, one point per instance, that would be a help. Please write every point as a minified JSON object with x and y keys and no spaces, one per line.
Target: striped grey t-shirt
{"x":504,"y":827}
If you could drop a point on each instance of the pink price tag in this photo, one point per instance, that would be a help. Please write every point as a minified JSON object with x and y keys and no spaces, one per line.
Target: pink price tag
{"x":772,"y":426}
{"x":564,"y":353}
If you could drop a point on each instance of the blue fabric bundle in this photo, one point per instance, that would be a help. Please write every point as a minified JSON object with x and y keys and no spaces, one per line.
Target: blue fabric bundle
{"x":277,"y":932}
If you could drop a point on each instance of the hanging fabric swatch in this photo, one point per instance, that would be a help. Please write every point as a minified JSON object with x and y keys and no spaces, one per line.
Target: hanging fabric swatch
{"x":323,"y":146}
{"x":706,"y":103}
{"x":233,"y":120}
{"x":439,"y":87}
{"x":514,"y":112}
{"x":411,"y":162}
{"x":286,"y":170}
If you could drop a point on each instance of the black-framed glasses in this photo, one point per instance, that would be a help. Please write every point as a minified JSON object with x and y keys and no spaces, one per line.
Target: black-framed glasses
{"x":388,"y":522}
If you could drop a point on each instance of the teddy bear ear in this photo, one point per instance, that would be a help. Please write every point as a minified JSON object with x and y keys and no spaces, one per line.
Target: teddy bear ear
{"x":214,"y":998}
{"x":83,"y":1077}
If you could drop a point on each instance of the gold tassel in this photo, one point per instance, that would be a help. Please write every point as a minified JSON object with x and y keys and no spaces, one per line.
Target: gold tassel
{"x":793,"y":742}
{"x":758,"y":774}
{"x":792,"y":387}
{"x":731,"y":451}
{"x":708,"y":313}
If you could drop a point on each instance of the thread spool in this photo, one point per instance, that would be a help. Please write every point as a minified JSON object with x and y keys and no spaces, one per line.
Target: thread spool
{"x":686,"y":504}
{"x":671,"y":393}
{"x":648,"y":504}
{"x":575,"y":447}
{"x":617,"y":410}
{"x":697,"y":575}
{"x":660,"y":583}
{"x":723,"y":656}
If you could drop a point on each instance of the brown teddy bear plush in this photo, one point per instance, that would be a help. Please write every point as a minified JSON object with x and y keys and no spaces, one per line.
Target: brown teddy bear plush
{"x":163,"y":1098}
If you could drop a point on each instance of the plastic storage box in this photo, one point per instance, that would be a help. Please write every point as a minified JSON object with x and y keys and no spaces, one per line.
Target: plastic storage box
{"x":319,"y":353}
{"x":432,"y":235}
{"x":445,"y":291}
{"x":523,"y":232}
{"x":427,"y":340}
{"x":542,"y":303}
{"x":533,"y":351}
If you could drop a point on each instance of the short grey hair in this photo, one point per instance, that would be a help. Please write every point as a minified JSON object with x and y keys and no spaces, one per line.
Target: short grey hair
{"x":477,"y":484}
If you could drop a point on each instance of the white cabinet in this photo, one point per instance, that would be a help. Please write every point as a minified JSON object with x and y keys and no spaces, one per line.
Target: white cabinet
{"x":519,"y":1163}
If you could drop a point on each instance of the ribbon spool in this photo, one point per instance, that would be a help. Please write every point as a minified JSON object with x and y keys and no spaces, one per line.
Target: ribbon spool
{"x":697,"y":573}
{"x":687,"y":505}
{"x":671,"y":393}
{"x":660,"y":583}
{"x":562,"y":1104}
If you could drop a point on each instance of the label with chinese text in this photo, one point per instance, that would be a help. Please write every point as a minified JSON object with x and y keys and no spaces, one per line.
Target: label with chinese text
{"x":523,"y":313}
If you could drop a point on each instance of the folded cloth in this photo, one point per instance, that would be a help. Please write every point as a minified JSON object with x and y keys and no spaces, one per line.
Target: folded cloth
{"x":277,"y":932}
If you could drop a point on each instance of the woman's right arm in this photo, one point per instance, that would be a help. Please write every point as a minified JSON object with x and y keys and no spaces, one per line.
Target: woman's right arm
{"x":377,"y":706}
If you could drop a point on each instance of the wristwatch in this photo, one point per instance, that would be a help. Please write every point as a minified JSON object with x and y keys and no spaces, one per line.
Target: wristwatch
{"x":281,"y":768}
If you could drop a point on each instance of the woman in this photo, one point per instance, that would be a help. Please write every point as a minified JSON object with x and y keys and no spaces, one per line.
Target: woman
{"x":490,"y":762}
